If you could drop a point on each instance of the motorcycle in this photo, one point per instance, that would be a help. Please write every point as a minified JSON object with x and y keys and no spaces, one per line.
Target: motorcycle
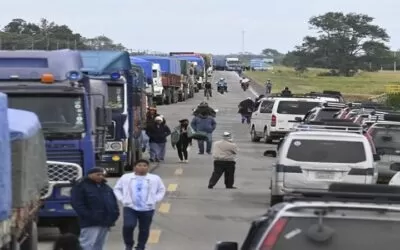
{"x":245,"y":86}
{"x":221,"y":89}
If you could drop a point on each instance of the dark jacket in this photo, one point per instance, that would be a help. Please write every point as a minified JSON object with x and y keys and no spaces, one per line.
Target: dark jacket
{"x":94,"y":203}
{"x":203,"y":123}
{"x":204,"y":109}
{"x":286,"y":93}
{"x":158,"y":133}
{"x":246,"y":107}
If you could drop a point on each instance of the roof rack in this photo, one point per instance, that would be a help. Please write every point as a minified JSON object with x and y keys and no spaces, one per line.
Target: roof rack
{"x":331,"y":125}
{"x":334,"y":105}
{"x":292,"y":96}
{"x":349,"y":192}
{"x":393,"y":117}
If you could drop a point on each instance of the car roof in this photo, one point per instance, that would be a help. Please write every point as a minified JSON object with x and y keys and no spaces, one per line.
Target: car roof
{"x":323,"y":134}
{"x":291,"y":99}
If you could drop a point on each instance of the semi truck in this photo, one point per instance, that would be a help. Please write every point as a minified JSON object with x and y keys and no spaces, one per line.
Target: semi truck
{"x":154,"y":87}
{"x":233,"y":64}
{"x":170,"y":78}
{"x":74,"y":117}
{"x":115,"y":69}
{"x":23,"y":174}
{"x":198,"y":63}
{"x":219,"y":63}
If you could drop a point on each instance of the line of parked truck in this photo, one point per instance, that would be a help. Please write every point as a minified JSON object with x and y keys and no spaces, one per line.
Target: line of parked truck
{"x":64,"y":112}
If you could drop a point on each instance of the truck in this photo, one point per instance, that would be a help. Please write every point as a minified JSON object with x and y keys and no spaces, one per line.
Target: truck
{"x":74,"y":118}
{"x":154,"y":87}
{"x":197,"y":62}
{"x":261,"y":64}
{"x":23,"y":175}
{"x":219,"y":63}
{"x":233,"y":64}
{"x":170,"y":77}
{"x":115,"y":69}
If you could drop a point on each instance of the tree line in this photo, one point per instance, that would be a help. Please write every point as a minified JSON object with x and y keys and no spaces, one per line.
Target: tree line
{"x":345,"y":44}
{"x":47,"y":35}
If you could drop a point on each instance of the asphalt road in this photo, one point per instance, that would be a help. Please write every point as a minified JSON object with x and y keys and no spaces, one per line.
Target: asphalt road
{"x":192,"y":216}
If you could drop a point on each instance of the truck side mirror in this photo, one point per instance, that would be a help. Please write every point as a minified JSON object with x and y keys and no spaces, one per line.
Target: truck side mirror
{"x":227,"y":245}
{"x":103,"y":116}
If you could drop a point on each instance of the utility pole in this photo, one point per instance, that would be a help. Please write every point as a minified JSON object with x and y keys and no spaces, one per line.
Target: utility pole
{"x":243,"y":32}
{"x":394,"y":61}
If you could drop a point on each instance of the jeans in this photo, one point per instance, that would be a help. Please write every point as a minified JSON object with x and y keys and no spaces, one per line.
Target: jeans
{"x":93,"y":238}
{"x":131,"y":218}
{"x":157,"y":151}
{"x":200,"y":143}
{"x":246,"y":118}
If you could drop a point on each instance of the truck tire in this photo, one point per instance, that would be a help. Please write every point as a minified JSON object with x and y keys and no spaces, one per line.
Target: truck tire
{"x":31,"y":242}
{"x":174,"y":96}
{"x":168,"y":98}
{"x":70,"y":226}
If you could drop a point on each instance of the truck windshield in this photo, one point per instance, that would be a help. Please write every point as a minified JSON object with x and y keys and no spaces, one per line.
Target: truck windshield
{"x":57,"y":113}
{"x":116,"y":97}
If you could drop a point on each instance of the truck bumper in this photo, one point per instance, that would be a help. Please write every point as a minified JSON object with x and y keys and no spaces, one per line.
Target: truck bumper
{"x":113,"y":163}
{"x":56,"y":208}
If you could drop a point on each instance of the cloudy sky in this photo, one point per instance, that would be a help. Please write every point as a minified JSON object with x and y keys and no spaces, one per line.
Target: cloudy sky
{"x":203,"y":25}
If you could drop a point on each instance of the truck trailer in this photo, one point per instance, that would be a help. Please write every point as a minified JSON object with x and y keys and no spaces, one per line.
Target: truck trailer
{"x":23,"y":175}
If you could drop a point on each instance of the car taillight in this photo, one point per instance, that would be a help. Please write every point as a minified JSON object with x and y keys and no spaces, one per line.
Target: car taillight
{"x":273,"y":121}
{"x":273,"y":235}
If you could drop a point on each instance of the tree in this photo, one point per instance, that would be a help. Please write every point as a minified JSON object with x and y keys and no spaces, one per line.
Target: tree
{"x":47,"y":35}
{"x":346,"y":43}
{"x":274,"y":54}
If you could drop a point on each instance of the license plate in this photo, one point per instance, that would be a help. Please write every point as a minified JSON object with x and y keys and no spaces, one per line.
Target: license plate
{"x":324,"y":175}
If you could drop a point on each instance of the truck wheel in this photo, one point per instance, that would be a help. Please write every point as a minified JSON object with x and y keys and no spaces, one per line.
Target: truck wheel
{"x":70,"y":226}
{"x":31,"y":243}
{"x":167,"y":99}
{"x":174,"y":96}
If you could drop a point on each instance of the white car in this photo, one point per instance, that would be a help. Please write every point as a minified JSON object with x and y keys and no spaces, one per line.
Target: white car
{"x":275,"y":117}
{"x":312,"y":160}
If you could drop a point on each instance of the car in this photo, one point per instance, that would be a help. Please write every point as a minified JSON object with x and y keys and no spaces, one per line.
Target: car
{"x":326,"y":110}
{"x":385,"y":134}
{"x":276,"y":116}
{"x":314,"y":157}
{"x":348,"y":216}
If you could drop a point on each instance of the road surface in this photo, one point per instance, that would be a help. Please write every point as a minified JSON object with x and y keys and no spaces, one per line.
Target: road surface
{"x":191,"y":215}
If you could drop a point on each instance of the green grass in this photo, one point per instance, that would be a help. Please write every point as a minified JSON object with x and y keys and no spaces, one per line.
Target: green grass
{"x":362,"y":86}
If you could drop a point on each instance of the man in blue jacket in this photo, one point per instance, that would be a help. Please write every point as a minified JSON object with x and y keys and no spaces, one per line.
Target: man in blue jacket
{"x":204,"y":123}
{"x":97,"y":209}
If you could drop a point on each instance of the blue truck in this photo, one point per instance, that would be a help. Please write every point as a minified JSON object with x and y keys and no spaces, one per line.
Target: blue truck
{"x":23,"y":172}
{"x":74,"y":118}
{"x":219,"y":63}
{"x":152,"y":79}
{"x":170,"y":77}
{"x":115,"y":69}
{"x":197,"y":61}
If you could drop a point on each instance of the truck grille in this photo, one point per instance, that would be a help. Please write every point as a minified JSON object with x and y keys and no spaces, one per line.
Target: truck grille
{"x":111,"y":131}
{"x":60,"y":173}
{"x":71,"y":156}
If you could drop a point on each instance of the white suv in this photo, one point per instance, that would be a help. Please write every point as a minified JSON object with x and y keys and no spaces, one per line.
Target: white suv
{"x":275,"y":117}
{"x":312,"y":160}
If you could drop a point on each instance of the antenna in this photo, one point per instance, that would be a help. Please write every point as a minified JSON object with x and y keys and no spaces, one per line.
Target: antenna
{"x":243,"y":32}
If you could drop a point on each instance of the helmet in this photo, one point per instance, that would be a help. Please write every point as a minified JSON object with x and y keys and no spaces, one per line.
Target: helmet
{"x":203,"y":104}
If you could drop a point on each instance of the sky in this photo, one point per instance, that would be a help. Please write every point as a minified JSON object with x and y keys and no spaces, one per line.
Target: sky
{"x":209,"y":26}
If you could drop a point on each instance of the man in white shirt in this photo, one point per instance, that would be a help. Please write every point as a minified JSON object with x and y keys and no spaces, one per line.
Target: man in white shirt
{"x":138,"y":192}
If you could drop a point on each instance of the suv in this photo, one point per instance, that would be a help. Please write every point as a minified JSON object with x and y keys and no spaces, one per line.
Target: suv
{"x":274,"y":117}
{"x":311,"y":160}
{"x":386,"y":137}
{"x":347,"y":217}
{"x":327,"y":110}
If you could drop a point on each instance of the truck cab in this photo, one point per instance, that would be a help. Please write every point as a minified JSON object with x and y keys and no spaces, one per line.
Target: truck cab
{"x":157,"y":83}
{"x":73,"y":117}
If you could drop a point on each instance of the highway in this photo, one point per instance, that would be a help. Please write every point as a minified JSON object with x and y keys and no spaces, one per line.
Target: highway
{"x":191,"y":215}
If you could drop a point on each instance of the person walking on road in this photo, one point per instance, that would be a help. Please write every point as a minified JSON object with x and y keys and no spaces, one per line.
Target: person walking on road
{"x":268,"y":87}
{"x":97,"y":209}
{"x":158,"y":133}
{"x":181,"y":139}
{"x":246,"y":108}
{"x":204,"y":123}
{"x":224,"y":153}
{"x":139,"y":192}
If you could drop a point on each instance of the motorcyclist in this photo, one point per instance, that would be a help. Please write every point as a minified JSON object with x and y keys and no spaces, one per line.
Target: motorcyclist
{"x":222,"y":83}
{"x":203,"y":107}
{"x":207,"y":87}
{"x":244,"y":82}
{"x":268,"y":86}
{"x":286,"y":92}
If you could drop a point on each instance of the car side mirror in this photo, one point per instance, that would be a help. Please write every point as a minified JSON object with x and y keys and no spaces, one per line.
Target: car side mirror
{"x":270,"y":153}
{"x":395,"y":167}
{"x":377,"y":157}
{"x":227,"y":245}
{"x":103,"y":116}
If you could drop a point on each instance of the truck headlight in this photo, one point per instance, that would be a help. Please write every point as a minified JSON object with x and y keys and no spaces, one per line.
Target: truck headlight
{"x":65,"y":191}
{"x":114,"y":146}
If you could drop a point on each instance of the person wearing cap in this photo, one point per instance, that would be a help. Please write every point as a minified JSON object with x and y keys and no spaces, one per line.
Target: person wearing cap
{"x":97,"y":208}
{"x":181,"y":139}
{"x":158,"y":133}
{"x":268,"y":87}
{"x":246,"y":108}
{"x":151,"y":115}
{"x":139,"y":192}
{"x":224,"y":154}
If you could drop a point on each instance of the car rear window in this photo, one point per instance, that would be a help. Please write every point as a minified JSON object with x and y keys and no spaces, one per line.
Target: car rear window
{"x":295,"y":107}
{"x":326,"y":151}
{"x":348,"y":234}
{"x":327,"y":114}
{"x":386,"y":140}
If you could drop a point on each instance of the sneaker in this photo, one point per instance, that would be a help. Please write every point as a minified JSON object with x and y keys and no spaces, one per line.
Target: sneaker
{"x":186,"y":161}
{"x":200,"y":153}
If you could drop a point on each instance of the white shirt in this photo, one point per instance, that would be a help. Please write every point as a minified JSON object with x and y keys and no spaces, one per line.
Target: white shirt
{"x":141,"y":193}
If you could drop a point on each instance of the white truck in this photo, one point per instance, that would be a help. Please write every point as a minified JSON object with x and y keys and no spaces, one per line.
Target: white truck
{"x":232,"y":63}
{"x":158,"y":94}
